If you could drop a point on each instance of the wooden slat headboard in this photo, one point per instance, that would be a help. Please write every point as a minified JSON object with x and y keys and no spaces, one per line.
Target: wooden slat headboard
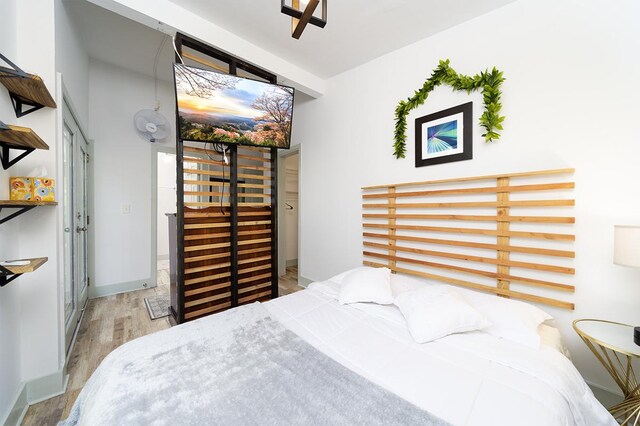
{"x":505,"y":247}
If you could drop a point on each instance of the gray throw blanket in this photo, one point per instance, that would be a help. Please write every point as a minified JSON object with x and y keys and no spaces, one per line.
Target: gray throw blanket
{"x":239,"y":367}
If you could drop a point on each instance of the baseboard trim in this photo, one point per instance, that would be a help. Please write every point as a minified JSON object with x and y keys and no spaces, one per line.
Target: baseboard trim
{"x":292,"y":262}
{"x":18,"y":409}
{"x":117,"y":288}
{"x":163,"y":257}
{"x":35,"y":391}
{"x":304,"y":281}
{"x":606,"y":396}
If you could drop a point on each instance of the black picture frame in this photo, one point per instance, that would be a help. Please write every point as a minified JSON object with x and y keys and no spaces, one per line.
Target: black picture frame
{"x":422,"y":124}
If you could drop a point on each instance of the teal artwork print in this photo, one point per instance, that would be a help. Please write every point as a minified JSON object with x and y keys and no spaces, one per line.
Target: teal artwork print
{"x":442,"y":137}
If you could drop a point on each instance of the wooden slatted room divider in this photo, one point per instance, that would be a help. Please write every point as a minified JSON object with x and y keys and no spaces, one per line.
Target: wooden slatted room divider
{"x":228,"y":245}
{"x":504,"y":246}
{"x":227,"y":213}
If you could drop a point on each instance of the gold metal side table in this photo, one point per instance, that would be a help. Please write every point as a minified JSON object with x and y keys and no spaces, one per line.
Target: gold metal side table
{"x":612,"y":343}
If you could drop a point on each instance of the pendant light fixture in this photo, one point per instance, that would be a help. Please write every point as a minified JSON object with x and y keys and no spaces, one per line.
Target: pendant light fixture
{"x":301,"y":12}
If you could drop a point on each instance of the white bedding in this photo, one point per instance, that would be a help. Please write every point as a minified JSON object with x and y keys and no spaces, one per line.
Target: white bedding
{"x":466,"y":379}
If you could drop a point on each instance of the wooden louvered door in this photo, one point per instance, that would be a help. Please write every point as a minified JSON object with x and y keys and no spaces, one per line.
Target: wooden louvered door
{"x":228,"y":229}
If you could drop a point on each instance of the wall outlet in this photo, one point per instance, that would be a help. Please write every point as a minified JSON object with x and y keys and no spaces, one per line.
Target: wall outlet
{"x":126,"y":208}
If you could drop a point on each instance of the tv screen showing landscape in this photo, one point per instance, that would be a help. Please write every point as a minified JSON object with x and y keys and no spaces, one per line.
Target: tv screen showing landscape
{"x":222,"y":108}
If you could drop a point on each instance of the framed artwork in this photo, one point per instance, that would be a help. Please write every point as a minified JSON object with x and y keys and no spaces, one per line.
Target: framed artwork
{"x":445,"y":136}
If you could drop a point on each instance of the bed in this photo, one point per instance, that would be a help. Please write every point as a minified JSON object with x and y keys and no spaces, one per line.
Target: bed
{"x":463,"y":379}
{"x":315,"y":358}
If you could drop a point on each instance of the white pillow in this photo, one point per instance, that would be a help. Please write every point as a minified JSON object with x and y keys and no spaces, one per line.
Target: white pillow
{"x":366,"y":285}
{"x":510,"y":319}
{"x":437,"y":311}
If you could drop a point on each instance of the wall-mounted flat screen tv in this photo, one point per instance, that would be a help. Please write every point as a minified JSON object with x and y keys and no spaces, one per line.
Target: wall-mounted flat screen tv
{"x":222,"y":108}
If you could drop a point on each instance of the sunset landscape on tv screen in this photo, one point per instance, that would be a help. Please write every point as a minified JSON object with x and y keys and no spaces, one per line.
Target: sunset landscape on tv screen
{"x":221,"y":108}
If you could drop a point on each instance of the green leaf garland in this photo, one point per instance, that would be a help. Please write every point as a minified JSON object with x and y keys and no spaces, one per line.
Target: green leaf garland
{"x":488,"y":81}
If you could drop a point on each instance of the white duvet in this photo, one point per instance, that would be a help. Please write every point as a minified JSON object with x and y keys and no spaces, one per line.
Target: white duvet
{"x":466,"y":379}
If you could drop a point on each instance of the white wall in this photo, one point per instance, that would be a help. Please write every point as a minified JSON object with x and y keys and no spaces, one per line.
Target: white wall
{"x":72,"y":61}
{"x":166,"y":200}
{"x":9,"y":244}
{"x":123,"y":173}
{"x":570,"y":99}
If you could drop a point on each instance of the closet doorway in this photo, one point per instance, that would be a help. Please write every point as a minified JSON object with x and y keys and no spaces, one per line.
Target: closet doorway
{"x":76,"y":221}
{"x":289,"y":207}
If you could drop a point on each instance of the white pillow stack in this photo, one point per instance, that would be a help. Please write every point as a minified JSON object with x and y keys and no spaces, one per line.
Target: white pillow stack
{"x":434,"y":312}
{"x":366,"y":285}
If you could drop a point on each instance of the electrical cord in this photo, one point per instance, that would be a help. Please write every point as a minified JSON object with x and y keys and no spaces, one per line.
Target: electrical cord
{"x":222,"y":150}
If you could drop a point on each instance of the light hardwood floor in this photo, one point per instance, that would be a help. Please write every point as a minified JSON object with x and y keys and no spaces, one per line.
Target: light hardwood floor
{"x":108,"y":323}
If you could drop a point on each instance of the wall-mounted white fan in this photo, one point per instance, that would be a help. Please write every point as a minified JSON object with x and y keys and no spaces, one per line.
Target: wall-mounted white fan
{"x":151,"y":125}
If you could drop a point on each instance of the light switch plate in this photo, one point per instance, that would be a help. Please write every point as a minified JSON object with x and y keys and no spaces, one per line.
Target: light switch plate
{"x":126,"y":208}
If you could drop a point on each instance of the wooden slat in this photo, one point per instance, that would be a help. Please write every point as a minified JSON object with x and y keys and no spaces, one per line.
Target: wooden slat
{"x":479,"y":259}
{"x":225,"y":264}
{"x":481,"y":287}
{"x":483,"y":190}
{"x":475,"y":218}
{"x":254,"y":232}
{"x":254,"y":297}
{"x":201,"y":182}
{"x":391,"y":202}
{"x":206,"y":247}
{"x":253,"y":195}
{"x":256,"y":213}
{"x":203,"y":161}
{"x":206,"y":194}
{"x":253,"y":185}
{"x":475,"y":204}
{"x":249,"y":167}
{"x":248,"y":242}
{"x":499,"y":247}
{"x":488,"y":274}
{"x":476,"y":231}
{"x":206,"y":289}
{"x":206,"y":311}
{"x":254,"y":287}
{"x":204,"y":300}
{"x":198,"y":280}
{"x":503,"y":241}
{"x":206,"y":204}
{"x":206,"y":225}
{"x":192,"y":259}
{"x":254,"y":278}
{"x":222,"y":174}
{"x":253,"y":269}
{"x":252,"y":158}
{"x":254,"y":204}
{"x":253,"y":250}
{"x":204,"y":62}
{"x":474,"y":178}
{"x":254,"y":223}
{"x":207,"y":268}
{"x":195,"y":214}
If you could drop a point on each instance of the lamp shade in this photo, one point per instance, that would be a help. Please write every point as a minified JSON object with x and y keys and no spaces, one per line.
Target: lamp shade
{"x":626,"y":246}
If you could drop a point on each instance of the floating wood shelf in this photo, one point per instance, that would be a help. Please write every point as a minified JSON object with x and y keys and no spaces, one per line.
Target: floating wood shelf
{"x":22,"y":206}
{"x":9,"y":273}
{"x":25,"y":90}
{"x":18,"y":138}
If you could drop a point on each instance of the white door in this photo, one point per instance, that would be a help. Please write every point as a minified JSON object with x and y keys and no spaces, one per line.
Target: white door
{"x":76,"y":222}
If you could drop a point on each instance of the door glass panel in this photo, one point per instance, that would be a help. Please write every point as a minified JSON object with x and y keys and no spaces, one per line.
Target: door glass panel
{"x":68,"y":225}
{"x":81,"y":205}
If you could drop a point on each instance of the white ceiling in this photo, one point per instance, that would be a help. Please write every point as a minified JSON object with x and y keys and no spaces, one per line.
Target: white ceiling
{"x":357,"y":31}
{"x":117,"y":40}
